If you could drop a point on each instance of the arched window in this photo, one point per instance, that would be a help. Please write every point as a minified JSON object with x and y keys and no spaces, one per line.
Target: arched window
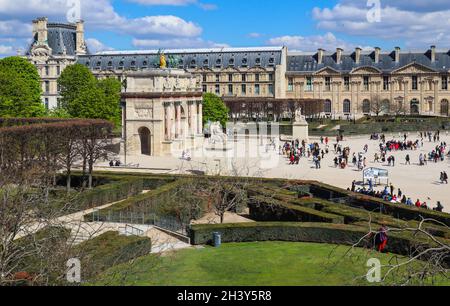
{"x":347,"y":106}
{"x":145,"y":138}
{"x":415,"y":107}
{"x":444,"y":107}
{"x":366,"y":107}
{"x":327,"y":106}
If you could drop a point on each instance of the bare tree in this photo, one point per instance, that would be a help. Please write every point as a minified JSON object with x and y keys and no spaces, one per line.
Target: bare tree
{"x":95,"y":146}
{"x":428,"y":257}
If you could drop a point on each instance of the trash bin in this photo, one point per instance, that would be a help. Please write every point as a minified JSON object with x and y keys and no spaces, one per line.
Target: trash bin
{"x":217,"y":238}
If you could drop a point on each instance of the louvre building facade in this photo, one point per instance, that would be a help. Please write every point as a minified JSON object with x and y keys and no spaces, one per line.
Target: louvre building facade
{"x":346,"y":83}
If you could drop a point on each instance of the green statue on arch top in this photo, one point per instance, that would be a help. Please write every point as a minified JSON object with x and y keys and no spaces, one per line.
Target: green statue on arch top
{"x":163,"y":62}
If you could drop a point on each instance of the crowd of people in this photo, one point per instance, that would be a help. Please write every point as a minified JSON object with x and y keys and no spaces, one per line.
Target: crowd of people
{"x":316,"y":152}
{"x":295,"y":150}
{"x":389,"y":195}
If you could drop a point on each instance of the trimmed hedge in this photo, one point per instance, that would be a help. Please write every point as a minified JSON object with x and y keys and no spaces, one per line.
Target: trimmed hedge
{"x":108,"y":250}
{"x":398,"y":243}
{"x":110,"y":193}
{"x":399,"y":211}
{"x":163,"y":202}
{"x":268,"y":209}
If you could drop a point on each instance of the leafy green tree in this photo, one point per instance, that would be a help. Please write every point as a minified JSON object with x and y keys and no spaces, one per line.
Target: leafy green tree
{"x":73,"y":81}
{"x":83,"y":96}
{"x":214,"y":109}
{"x":111,"y":88}
{"x":20,"y":89}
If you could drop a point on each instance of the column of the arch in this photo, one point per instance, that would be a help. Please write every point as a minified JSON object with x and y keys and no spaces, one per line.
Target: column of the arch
{"x":177,"y":120}
{"x":189,"y":118}
{"x":200,"y":118}
{"x":171,"y":121}
{"x":194,"y":117}
{"x":166,"y":121}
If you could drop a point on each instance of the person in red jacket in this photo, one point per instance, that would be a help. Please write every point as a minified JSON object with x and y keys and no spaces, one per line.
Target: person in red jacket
{"x":418,"y":204}
{"x":381,"y":239}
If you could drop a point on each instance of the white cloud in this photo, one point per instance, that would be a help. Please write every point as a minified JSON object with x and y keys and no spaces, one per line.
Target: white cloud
{"x":161,"y":26}
{"x":6,"y":50}
{"x":95,"y":45}
{"x":413,"y":25}
{"x":100,"y":15}
{"x":205,"y":6}
{"x":255,"y":35}
{"x":176,"y":43}
{"x":327,"y":41}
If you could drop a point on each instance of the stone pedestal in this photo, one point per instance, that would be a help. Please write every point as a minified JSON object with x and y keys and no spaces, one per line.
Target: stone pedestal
{"x":300,"y":131}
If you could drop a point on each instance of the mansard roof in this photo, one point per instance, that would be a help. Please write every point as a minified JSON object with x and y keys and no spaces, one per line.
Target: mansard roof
{"x":60,"y":38}
{"x":264,"y":57}
{"x":308,"y":62}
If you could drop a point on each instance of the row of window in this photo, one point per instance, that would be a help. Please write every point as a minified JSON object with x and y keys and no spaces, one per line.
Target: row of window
{"x":192,"y":64}
{"x":385,"y":107}
{"x":244,"y":77}
{"x":244,"y":89}
{"x":366,"y":83}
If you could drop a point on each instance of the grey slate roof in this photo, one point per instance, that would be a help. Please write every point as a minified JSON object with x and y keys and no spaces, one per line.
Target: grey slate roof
{"x":307,"y":63}
{"x":188,"y":59}
{"x":60,"y":37}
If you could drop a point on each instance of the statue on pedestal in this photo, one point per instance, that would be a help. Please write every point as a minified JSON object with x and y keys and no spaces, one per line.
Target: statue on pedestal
{"x":217,"y":134}
{"x":299,"y":118}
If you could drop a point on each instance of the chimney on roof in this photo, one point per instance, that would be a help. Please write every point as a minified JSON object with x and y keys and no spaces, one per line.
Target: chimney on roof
{"x":358,"y":55}
{"x":339,"y":52}
{"x":397,"y":54}
{"x":80,"y":43}
{"x":377,"y":55}
{"x":433,"y":54}
{"x":320,"y":54}
{"x":40,"y":31}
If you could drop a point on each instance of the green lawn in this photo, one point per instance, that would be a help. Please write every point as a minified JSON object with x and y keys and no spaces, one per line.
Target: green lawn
{"x":248,"y":264}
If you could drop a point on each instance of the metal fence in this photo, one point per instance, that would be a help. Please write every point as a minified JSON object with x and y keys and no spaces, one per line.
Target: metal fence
{"x":165,"y":222}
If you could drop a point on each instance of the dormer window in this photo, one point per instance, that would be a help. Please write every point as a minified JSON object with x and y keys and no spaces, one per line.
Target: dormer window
{"x":193,"y":63}
{"x":144,"y":63}
{"x":110,"y":64}
{"x":218,"y":62}
{"x":133,"y":64}
{"x":244,"y":62}
{"x":205,"y":62}
{"x":99,"y":64}
{"x":258,"y":61}
{"x":231,"y":62}
{"x":271,"y":61}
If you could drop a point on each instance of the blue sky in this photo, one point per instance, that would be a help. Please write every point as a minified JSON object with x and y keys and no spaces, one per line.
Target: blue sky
{"x":303,"y":25}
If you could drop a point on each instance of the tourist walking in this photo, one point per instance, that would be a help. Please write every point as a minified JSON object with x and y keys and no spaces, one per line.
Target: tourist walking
{"x":408,"y":160}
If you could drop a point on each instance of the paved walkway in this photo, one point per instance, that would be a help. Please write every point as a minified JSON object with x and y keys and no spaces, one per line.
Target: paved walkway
{"x":415,"y":181}
{"x":82,"y":231}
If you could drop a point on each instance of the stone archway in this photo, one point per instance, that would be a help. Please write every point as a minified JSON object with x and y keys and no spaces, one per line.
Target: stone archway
{"x":145,"y":139}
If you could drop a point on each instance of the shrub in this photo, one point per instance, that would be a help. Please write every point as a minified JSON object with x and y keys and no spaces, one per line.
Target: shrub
{"x":267,"y":209}
{"x":108,"y":250}
{"x":399,"y":243}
